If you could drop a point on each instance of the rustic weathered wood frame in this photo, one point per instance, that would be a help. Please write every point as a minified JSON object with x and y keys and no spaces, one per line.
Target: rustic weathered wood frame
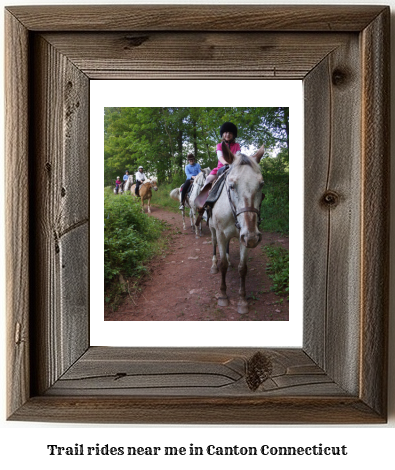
{"x":340,"y":374}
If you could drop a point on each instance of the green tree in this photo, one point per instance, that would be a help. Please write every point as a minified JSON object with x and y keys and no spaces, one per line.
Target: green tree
{"x":160,"y":139}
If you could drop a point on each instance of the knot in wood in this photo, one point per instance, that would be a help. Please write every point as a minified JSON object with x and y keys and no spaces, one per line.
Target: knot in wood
{"x":340,"y":77}
{"x":259,"y":369}
{"x":330,"y":199}
{"x":135,"y":41}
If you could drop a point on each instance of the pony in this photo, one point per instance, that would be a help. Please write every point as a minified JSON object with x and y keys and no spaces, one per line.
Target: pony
{"x":236,"y":214}
{"x":145,"y":190}
{"x":195,"y":189}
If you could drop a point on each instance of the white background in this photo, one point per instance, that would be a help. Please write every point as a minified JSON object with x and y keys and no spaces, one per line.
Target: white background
{"x":23,"y":444}
{"x":109,"y":93}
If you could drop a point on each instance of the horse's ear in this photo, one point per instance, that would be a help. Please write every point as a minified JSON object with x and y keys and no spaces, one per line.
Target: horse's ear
{"x":228,"y":155}
{"x":259,"y":154}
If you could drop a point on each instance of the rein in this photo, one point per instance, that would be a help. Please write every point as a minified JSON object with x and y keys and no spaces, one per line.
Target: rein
{"x":244,"y":209}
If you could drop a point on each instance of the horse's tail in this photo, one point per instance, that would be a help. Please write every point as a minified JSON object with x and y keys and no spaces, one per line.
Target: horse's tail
{"x":175,"y":194}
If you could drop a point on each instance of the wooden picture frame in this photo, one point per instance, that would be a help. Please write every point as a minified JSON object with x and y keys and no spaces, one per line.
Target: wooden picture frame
{"x":340,"y":374}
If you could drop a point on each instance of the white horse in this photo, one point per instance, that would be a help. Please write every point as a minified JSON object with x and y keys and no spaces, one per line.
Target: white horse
{"x":197,"y":186}
{"x":236,"y":214}
{"x":128,"y":184}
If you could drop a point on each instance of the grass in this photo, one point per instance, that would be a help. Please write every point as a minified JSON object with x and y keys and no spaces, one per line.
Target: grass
{"x":278,"y":268}
{"x":162,"y":198}
{"x":131,"y":239}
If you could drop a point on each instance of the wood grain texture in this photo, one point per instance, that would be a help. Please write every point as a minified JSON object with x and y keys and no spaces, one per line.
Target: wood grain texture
{"x":159,"y":385}
{"x":332,"y":214}
{"x":183,"y":372}
{"x":196,"y":18}
{"x":149,"y":55}
{"x":376,"y":211}
{"x":198,"y":410}
{"x":60,"y":213}
{"x":339,"y":376}
{"x":17,"y":213}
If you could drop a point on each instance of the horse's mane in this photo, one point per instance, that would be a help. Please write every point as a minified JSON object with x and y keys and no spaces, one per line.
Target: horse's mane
{"x":203,"y":174}
{"x":200,"y":176}
{"x":242,"y":159}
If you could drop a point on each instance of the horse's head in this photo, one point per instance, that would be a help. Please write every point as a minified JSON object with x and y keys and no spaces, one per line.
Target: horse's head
{"x":245,"y":185}
{"x":201,"y":177}
{"x":154,"y":184}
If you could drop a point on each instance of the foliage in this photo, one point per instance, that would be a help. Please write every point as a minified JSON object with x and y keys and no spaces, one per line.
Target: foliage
{"x":163,"y":199}
{"x":128,"y":236}
{"x":161,"y":138}
{"x":275,"y":206}
{"x":278,"y":268}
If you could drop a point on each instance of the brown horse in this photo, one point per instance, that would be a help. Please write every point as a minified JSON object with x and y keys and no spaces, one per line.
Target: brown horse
{"x":145,"y":192}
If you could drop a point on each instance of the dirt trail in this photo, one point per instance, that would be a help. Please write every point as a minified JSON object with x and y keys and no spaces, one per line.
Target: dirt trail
{"x":181,"y":288}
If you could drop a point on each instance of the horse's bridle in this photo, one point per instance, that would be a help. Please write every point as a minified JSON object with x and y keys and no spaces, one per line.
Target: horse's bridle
{"x":244,"y":209}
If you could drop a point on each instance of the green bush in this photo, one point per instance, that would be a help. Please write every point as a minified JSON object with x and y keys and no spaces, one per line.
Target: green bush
{"x":275,"y":208}
{"x":278,"y":268}
{"x":128,"y":236}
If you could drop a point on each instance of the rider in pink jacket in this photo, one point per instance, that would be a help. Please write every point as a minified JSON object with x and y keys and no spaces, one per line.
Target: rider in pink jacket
{"x":228,"y":132}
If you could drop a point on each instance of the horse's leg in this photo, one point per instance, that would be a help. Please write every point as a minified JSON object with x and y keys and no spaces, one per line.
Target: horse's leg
{"x":183,"y":219}
{"x":227,"y":254}
{"x":193,"y":219}
{"x":242,"y":306}
{"x":214,"y":268}
{"x":149,"y":205}
{"x":223,"y":300}
{"x":142,"y":204}
{"x":191,"y":212}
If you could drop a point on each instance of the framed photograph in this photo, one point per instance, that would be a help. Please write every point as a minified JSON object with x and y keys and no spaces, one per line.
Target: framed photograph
{"x":180,"y":287}
{"x":339,"y":375}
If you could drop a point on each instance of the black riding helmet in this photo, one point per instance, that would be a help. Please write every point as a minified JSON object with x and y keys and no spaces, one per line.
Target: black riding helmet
{"x":228,"y":127}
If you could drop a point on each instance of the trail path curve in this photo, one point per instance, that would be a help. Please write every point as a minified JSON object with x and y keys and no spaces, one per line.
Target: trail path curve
{"x":181,"y":288}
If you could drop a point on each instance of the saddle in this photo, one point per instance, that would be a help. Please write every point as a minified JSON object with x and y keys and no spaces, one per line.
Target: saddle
{"x":202,"y":197}
{"x":216,"y":190}
{"x":210,"y":194}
